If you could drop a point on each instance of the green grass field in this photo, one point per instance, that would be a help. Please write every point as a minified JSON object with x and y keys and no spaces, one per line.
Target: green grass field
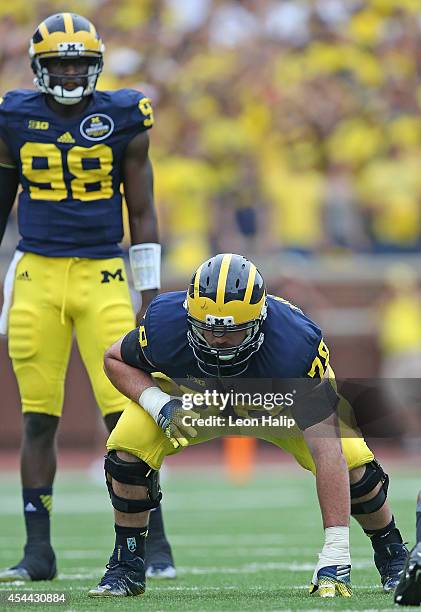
{"x":236,"y":548}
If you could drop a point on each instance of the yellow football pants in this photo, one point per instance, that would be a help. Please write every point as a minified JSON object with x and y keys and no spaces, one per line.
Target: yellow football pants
{"x":52,"y":296}
{"x":137,"y":433}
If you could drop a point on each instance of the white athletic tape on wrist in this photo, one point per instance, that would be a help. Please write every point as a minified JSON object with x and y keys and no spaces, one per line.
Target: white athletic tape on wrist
{"x":335,"y":550}
{"x":145,"y":264}
{"x":152,"y":400}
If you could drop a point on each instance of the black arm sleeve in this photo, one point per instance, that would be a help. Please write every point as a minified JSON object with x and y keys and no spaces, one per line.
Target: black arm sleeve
{"x":316,"y":404}
{"x":9,"y":181}
{"x":132,"y":354}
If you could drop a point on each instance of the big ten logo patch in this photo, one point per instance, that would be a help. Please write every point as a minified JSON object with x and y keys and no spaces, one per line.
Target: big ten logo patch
{"x":33,"y":124}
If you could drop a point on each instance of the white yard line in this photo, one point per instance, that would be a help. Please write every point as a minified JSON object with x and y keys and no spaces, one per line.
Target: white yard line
{"x":247,"y":568}
{"x":98,"y":503}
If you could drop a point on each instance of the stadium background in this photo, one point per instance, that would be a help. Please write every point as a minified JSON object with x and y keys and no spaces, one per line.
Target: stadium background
{"x":288,"y":131}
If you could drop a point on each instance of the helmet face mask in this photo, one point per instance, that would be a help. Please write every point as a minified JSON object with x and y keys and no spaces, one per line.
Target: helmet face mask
{"x":53,"y":83}
{"x":63,"y":38}
{"x":226,"y":360}
{"x":226,"y":295}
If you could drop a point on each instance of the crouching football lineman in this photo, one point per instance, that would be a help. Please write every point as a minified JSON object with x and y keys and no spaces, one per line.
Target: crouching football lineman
{"x":225,"y":327}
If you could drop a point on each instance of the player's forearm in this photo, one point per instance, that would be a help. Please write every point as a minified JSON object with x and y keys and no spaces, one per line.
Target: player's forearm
{"x":130,"y":381}
{"x":332,"y":475}
{"x":138,"y":188}
{"x":144,"y":226}
{"x":332,"y":481}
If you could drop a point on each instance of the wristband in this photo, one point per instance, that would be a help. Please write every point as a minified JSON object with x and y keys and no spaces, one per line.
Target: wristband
{"x":145,"y":264}
{"x":153,"y":400}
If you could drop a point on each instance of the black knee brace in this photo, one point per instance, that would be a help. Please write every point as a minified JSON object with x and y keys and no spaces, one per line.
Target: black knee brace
{"x":372,"y":476}
{"x":133,"y":473}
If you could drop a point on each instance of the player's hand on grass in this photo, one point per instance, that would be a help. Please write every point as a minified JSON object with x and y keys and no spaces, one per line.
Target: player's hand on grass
{"x":175,"y":421}
{"x":331,"y":580}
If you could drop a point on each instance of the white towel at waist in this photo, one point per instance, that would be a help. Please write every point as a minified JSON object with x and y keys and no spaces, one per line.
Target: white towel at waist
{"x":9,"y":282}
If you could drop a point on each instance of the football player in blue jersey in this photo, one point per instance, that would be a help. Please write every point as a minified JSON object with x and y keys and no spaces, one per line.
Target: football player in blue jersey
{"x":227,"y":331}
{"x":71,"y":148}
{"x":408,"y":591}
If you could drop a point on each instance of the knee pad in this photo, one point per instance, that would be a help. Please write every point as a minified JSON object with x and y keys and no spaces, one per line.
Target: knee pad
{"x":138,"y":473}
{"x":373,"y":474}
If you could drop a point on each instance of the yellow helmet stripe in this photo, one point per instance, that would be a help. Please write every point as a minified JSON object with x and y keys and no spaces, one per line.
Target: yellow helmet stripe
{"x":43,"y":30}
{"x":68,"y":23}
{"x":196,"y":282}
{"x":250,"y":283}
{"x":222,"y":280}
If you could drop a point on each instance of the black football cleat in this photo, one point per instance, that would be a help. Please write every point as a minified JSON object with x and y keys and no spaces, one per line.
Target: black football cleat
{"x":390,"y":563}
{"x":122,"y":579}
{"x":408,"y":591}
{"x":38,"y":563}
{"x":161,"y":571}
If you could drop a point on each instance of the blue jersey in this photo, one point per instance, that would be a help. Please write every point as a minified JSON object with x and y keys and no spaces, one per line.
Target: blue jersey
{"x":293,"y":346}
{"x":71,"y":170}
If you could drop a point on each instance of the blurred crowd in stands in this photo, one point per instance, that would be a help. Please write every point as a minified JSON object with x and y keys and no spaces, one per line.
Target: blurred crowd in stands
{"x":281,"y":125}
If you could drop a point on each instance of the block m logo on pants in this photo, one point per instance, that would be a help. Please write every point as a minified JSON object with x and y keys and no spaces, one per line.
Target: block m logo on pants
{"x":117,"y":275}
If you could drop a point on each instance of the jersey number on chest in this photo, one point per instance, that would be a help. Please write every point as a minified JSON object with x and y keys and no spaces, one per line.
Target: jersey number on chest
{"x":43,"y":166}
